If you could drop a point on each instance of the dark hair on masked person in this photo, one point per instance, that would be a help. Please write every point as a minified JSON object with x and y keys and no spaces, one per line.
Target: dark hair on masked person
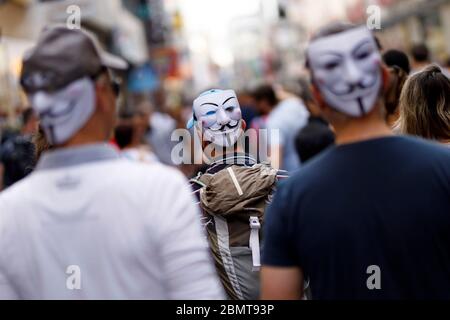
{"x":397,"y":58}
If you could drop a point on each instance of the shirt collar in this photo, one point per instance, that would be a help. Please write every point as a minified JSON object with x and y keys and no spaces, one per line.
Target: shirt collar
{"x":68,"y":157}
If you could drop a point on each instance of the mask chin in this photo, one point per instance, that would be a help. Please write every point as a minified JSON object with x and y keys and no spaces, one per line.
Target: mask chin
{"x":356,"y":107}
{"x":221,"y":139}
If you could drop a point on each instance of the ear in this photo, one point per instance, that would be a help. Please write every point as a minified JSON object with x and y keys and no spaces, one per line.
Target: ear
{"x":99,"y":94}
{"x":386,"y":77}
{"x":103,"y":96}
{"x":244,"y":125}
{"x":318,"y":96}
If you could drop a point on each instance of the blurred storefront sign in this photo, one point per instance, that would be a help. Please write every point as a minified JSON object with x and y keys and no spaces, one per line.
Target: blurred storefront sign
{"x":129,"y":38}
{"x":165,"y":61}
{"x":407,"y":22}
{"x":152,"y":14}
{"x":11,"y":51}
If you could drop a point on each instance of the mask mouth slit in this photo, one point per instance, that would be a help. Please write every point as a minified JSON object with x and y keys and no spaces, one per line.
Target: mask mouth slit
{"x":361,"y":106}
{"x":226,"y":127}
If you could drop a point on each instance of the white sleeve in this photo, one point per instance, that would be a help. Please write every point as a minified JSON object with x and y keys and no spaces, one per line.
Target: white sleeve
{"x":7,"y":292}
{"x":275,"y":131}
{"x":189,"y":272}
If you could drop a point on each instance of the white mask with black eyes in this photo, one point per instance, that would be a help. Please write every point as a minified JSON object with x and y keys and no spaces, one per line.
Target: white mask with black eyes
{"x":217,"y":114}
{"x":346,"y":69}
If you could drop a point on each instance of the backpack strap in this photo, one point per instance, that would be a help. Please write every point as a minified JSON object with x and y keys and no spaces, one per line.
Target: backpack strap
{"x":235,"y":181}
{"x":255,"y":226}
{"x":223,"y":239}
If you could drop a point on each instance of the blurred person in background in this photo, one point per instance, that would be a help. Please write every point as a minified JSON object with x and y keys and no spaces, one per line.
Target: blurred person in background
{"x":159,"y":137}
{"x":161,"y":124}
{"x":17,"y":153}
{"x":284,"y":119}
{"x":313,"y":139}
{"x":247,"y":106}
{"x":399,"y":68}
{"x":421,"y":57}
{"x":130,"y":135}
{"x":397,"y":58}
{"x":265,"y":100}
{"x":88,"y":224}
{"x":232,"y":192}
{"x":364,"y":218}
{"x":447,"y":67}
{"x":396,"y":82}
{"x":425,"y":106}
{"x":317,"y":135}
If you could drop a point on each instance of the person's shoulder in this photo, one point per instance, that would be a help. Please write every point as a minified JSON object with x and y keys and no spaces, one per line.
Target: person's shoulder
{"x":15,"y":194}
{"x":144,"y":170}
{"x":428,"y":149}
{"x":288,"y":111}
{"x":155,"y":177}
{"x":311,"y":171}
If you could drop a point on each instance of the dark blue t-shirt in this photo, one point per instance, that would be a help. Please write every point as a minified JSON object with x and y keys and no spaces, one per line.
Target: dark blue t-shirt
{"x":383,"y":203}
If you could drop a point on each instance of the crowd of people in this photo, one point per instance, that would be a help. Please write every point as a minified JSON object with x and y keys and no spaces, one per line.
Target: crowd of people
{"x":352,"y":200}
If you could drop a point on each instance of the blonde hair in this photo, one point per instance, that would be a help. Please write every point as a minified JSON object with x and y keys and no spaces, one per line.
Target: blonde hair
{"x":425,"y":105}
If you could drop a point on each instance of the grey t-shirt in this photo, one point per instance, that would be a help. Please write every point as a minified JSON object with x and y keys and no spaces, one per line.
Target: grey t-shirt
{"x":289,"y":117}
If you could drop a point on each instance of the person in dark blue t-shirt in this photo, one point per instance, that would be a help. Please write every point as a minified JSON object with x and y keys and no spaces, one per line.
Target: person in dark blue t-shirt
{"x":369,"y":218}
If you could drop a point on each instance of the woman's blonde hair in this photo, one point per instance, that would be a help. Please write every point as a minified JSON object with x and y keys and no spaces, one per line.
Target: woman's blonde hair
{"x":425,"y":105}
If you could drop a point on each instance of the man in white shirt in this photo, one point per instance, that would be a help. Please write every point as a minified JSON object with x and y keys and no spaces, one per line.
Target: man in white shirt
{"x":287,"y":116}
{"x":88,"y":224}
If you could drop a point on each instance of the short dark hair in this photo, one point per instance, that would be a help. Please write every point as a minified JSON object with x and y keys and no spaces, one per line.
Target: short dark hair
{"x":420,"y":53}
{"x":265,"y":92}
{"x":315,"y":137}
{"x":26,"y":115}
{"x":397,"y":58}
{"x":306,"y":95}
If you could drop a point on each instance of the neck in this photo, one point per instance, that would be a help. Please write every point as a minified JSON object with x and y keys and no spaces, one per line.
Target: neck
{"x":421,"y":65}
{"x":79,"y":141}
{"x":92,"y":133}
{"x":86,"y":137}
{"x":360,"y":129}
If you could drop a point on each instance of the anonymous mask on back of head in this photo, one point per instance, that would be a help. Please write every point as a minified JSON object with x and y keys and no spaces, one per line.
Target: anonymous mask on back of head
{"x":217,"y":114}
{"x":346,"y":69}
{"x":63,"y":113}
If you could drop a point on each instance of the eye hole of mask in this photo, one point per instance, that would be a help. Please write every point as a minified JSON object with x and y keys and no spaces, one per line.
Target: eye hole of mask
{"x":331,"y":65}
{"x":210,"y":113}
{"x":363,"y":51}
{"x":363,"y":55}
{"x":229,"y":109}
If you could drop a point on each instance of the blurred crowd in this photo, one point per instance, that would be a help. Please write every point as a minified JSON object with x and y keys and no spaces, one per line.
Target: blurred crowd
{"x":86,"y":184}
{"x":144,"y":130}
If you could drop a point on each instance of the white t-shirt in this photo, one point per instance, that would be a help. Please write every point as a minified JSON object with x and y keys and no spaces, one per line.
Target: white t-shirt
{"x":289,"y":117}
{"x":140,"y":154}
{"x":89,"y":225}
